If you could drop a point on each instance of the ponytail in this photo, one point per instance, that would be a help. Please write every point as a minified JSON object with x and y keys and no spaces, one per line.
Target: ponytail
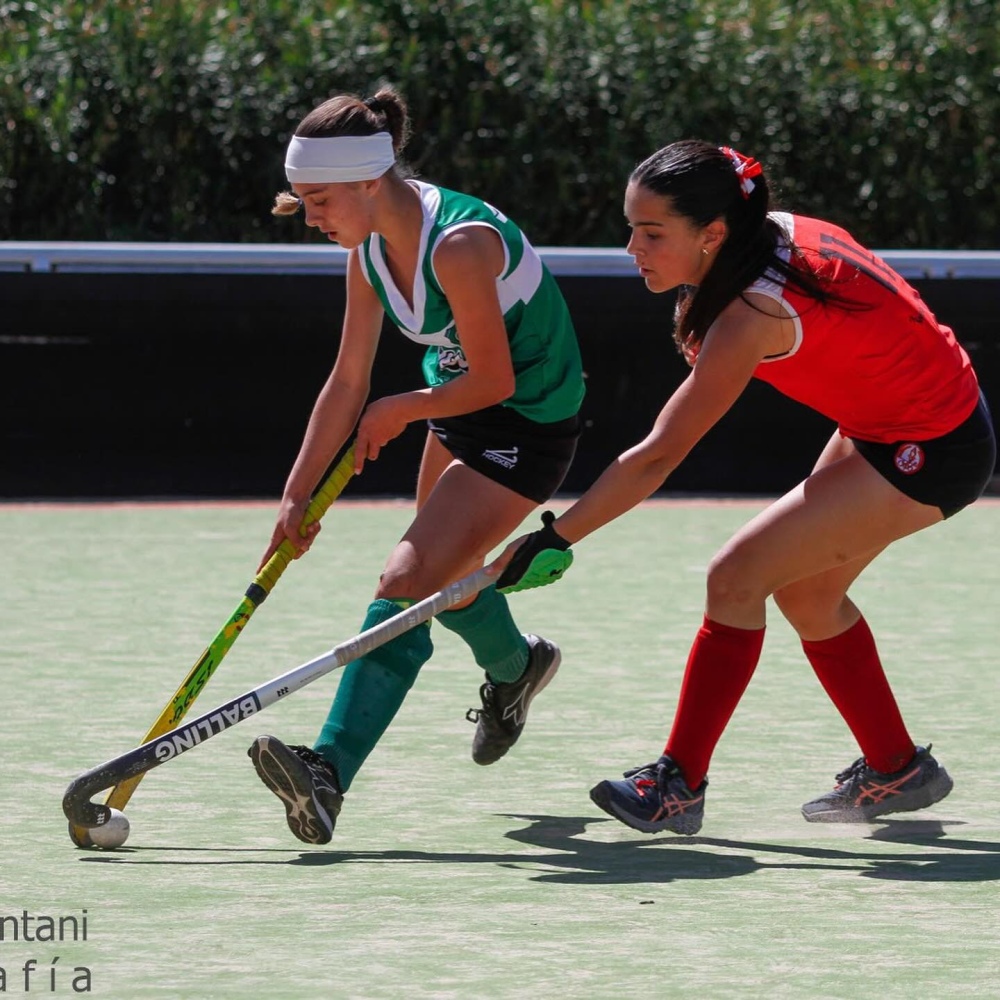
{"x":705,"y":182}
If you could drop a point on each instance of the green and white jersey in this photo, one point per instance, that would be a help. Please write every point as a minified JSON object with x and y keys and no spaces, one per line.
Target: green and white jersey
{"x":543,"y":345}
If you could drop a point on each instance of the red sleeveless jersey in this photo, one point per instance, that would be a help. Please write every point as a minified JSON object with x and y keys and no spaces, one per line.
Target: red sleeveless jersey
{"x":882,"y":367}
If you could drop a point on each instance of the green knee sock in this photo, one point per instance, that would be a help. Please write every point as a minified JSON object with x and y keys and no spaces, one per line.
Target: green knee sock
{"x":487,"y":626}
{"x":370,"y":694}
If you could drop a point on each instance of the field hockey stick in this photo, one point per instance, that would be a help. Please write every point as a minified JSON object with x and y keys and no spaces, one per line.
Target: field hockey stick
{"x":209,"y":660}
{"x":81,"y":812}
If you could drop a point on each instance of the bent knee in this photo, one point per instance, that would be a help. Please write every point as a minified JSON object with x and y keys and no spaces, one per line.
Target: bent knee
{"x":809,"y":607}
{"x":405,"y":576}
{"x":730,"y":584}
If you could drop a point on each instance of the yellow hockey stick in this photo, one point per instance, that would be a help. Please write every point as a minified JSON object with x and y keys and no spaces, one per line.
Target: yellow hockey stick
{"x":81,"y":811}
{"x":202,"y":671}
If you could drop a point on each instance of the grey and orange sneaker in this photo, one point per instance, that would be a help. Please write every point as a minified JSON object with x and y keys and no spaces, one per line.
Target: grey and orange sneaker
{"x":653,"y":798}
{"x":306,"y":783}
{"x":862,"y":794}
{"x":505,"y":705}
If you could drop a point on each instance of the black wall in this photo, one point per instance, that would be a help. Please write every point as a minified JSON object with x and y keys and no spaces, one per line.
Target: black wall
{"x":200,"y":385}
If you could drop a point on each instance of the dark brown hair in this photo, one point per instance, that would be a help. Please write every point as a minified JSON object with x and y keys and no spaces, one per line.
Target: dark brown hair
{"x":701,"y":182}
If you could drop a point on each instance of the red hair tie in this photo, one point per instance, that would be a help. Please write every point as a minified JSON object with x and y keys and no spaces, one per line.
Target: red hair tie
{"x":746,"y":169}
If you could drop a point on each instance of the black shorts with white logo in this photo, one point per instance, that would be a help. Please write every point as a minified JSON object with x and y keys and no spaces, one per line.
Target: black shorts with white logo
{"x":948,"y":472}
{"x":530,"y":458}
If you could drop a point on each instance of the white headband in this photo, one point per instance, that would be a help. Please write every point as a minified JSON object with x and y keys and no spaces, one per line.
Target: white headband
{"x":338,"y":159}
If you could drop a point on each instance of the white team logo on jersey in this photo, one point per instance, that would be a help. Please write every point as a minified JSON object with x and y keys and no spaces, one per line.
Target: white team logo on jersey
{"x":452,"y":360}
{"x":507,"y":457}
{"x":909,"y":458}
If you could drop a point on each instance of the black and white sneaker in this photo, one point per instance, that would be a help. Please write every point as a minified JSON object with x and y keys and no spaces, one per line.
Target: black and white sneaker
{"x":305,"y":782}
{"x":862,"y":793}
{"x":505,"y":705}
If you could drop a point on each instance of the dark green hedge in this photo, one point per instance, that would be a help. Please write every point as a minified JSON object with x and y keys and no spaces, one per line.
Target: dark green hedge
{"x":167,"y":120}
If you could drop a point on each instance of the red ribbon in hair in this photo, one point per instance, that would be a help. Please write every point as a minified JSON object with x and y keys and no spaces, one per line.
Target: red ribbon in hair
{"x":746,"y":169}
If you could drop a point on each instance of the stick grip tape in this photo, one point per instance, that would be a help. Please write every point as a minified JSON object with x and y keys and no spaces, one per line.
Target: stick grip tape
{"x":332,"y":487}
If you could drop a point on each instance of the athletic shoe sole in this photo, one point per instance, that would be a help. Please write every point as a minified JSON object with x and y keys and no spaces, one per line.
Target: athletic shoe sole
{"x":289,"y":778}
{"x":602,"y":796}
{"x":920,"y":798}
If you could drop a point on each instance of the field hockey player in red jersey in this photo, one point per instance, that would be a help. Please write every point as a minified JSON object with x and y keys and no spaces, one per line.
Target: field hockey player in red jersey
{"x":798,"y":303}
{"x":503,"y":389}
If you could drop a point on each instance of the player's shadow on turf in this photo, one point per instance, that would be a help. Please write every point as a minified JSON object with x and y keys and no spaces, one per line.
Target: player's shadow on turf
{"x":947,"y":860}
{"x":570,"y":858}
{"x":980,"y":864}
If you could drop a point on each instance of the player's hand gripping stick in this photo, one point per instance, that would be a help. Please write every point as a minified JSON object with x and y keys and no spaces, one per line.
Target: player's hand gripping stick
{"x":542,"y":558}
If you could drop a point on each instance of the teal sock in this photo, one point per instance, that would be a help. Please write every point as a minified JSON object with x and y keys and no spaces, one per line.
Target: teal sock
{"x":370,"y":694}
{"x":489,"y":629}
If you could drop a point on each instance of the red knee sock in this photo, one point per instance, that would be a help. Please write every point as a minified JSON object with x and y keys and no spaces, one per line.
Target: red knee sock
{"x":719,"y":667}
{"x":851,"y":673}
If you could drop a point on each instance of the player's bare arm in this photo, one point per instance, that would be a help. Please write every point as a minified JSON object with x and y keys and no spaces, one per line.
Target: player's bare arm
{"x":335,"y":412}
{"x":467,"y":264}
{"x":732,"y":349}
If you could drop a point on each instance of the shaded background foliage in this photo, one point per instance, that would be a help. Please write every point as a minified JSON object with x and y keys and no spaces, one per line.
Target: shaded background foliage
{"x":167,"y":121}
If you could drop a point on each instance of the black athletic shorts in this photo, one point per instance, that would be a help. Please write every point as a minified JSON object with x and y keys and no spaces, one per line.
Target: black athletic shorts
{"x":530,"y":458}
{"x":949,"y":472}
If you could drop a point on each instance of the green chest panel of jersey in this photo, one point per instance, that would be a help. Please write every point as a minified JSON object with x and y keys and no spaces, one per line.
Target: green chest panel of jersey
{"x":544,"y":351}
